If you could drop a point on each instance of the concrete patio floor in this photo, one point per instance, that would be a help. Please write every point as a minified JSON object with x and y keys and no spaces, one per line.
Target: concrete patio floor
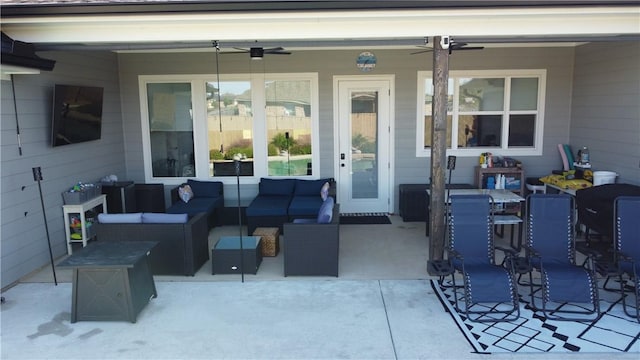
{"x":381,"y":307}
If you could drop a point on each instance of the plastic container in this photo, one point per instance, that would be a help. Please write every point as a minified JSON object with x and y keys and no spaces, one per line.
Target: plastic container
{"x":583,"y":156}
{"x":491,"y":183}
{"x":604,"y":177}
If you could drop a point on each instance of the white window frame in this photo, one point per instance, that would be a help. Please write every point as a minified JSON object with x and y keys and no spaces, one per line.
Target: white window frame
{"x":502,"y":150}
{"x":200,"y":130}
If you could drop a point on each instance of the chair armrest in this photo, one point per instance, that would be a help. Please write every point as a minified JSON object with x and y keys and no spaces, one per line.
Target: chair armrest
{"x":454,"y":253}
{"x":530,"y":252}
{"x":624,"y":257}
{"x":507,"y":251}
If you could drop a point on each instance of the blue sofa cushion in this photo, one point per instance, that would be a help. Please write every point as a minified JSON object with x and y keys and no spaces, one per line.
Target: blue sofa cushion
{"x":276,"y":186}
{"x":209,"y":189}
{"x":305,"y":205}
{"x":131,"y":218}
{"x":268,"y":206}
{"x":160,"y":218}
{"x":309,"y":187}
{"x":326,"y":211}
{"x":196,"y":205}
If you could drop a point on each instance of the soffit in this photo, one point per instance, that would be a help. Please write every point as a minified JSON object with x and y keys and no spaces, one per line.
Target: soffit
{"x":311,"y":29}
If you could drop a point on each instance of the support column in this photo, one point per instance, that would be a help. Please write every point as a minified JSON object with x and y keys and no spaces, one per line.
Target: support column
{"x":438,"y":150}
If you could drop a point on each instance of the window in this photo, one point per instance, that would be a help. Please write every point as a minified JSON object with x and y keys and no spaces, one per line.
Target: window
{"x":195,"y":125}
{"x":487,"y":110}
{"x":289,"y":127}
{"x":170,"y":123}
{"x":230,"y":127}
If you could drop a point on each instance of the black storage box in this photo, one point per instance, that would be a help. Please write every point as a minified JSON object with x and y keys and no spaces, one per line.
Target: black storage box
{"x":595,"y":205}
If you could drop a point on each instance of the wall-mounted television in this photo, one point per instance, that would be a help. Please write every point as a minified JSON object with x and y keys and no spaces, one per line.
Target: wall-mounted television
{"x":77,"y":114}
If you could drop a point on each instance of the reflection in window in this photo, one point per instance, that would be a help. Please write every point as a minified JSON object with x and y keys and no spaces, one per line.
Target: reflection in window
{"x":230,"y":126}
{"x":522,"y":130}
{"x":288,"y":116}
{"x":478,"y":94}
{"x":482,"y":116}
{"x":171,"y":129}
{"x":428,"y":109}
{"x":364,"y":144}
{"x":479,"y":130}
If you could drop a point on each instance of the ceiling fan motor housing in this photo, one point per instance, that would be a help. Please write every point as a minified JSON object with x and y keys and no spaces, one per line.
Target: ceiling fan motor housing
{"x":256,"y":53}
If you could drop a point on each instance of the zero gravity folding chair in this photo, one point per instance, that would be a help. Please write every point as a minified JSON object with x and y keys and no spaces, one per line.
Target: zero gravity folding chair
{"x":490,"y":292}
{"x":627,"y":249}
{"x":550,"y":250}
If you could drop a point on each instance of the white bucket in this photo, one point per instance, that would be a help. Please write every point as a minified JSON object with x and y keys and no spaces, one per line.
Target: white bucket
{"x":604,"y":177}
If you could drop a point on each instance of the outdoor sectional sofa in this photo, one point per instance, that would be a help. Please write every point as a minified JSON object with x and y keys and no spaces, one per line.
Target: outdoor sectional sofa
{"x":282,"y":200}
{"x":208,"y":197}
{"x":183,"y":245}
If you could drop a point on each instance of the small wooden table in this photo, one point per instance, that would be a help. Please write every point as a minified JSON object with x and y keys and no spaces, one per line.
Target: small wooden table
{"x":111,"y":280}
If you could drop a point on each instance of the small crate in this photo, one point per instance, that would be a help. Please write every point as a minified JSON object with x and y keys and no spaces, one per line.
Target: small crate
{"x":270,"y":240}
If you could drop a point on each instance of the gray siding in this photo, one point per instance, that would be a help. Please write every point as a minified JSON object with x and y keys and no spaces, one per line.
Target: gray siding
{"x":23,"y":243}
{"x":606,"y":107}
{"x":558,"y":61}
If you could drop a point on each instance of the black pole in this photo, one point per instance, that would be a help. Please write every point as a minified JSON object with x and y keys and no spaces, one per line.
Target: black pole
{"x":451,"y":165}
{"x":15,"y":109}
{"x":216,"y":45}
{"x":238,"y":163}
{"x":286,"y":135}
{"x":37,"y":176}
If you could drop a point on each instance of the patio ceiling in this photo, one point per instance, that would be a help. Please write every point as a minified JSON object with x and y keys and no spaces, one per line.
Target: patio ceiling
{"x":320,"y":27}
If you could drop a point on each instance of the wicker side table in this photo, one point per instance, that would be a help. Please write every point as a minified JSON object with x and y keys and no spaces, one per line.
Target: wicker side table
{"x":270,"y":240}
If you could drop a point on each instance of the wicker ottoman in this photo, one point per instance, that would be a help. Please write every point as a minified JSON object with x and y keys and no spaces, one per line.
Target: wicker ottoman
{"x":270,"y":240}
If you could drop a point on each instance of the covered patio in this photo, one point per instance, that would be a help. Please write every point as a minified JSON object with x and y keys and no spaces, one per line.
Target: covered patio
{"x":382,"y":306}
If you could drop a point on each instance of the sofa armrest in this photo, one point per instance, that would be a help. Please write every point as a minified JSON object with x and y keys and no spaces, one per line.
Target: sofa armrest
{"x":196,"y":234}
{"x":312,"y":249}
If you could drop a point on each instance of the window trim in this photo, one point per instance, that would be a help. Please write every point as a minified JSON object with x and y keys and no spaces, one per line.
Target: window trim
{"x":503,"y":150}
{"x":200,"y":130}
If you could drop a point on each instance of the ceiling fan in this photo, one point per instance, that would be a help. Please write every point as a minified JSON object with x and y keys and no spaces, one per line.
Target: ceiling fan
{"x":453,"y":45}
{"x":257,"y":53}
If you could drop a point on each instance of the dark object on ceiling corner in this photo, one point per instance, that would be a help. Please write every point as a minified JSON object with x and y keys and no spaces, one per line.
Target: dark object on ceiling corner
{"x":19,"y":53}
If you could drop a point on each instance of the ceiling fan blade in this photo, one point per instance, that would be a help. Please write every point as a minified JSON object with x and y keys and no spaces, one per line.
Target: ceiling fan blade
{"x":421,"y":52}
{"x":277,"y":51}
{"x":471,"y":48}
{"x":426,"y":49}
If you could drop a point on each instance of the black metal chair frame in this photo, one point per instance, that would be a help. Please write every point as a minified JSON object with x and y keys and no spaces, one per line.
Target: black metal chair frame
{"x":531,"y":253}
{"x":456,"y":263}
{"x":624,"y":258}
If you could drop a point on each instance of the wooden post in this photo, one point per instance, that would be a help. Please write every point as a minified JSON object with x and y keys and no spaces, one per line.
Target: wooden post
{"x":438,"y":150}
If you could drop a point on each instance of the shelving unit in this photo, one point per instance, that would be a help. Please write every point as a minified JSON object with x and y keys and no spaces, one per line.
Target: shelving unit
{"x":513,"y":173}
{"x":81,"y":211}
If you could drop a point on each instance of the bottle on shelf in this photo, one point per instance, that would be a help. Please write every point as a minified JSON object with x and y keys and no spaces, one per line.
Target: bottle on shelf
{"x":583,"y":156}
